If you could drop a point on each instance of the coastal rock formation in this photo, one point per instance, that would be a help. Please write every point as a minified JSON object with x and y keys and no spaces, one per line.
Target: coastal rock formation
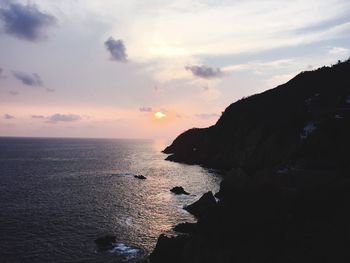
{"x":169,"y":249}
{"x":105,"y":242}
{"x":140,"y":176}
{"x":178,"y":190}
{"x":295,"y":122}
{"x":203,"y":206}
{"x":185,"y":227}
{"x":267,"y":222}
{"x":286,"y":191}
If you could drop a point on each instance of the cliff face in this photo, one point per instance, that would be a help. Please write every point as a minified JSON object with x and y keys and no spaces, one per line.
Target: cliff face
{"x":272,"y":129}
{"x":286,"y":196}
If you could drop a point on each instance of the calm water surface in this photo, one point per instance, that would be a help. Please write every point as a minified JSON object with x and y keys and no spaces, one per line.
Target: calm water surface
{"x":58,"y":195}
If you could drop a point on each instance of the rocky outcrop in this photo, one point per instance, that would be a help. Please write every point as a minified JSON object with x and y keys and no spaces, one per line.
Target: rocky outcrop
{"x":105,"y":242}
{"x":286,"y":191}
{"x":178,"y":190}
{"x":265,"y":222}
{"x":140,"y":176}
{"x":203,"y":206}
{"x":295,"y":122}
{"x":185,"y":228}
{"x":169,"y":249}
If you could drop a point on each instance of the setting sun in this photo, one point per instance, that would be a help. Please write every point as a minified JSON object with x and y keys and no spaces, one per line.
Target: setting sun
{"x":159,"y":115}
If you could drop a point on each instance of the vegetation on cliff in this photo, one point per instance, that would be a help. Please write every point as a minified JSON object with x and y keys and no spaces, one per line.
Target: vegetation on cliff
{"x":304,"y":120}
{"x":286,"y":193}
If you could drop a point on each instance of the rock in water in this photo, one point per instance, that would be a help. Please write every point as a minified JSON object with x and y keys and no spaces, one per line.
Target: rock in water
{"x":201,"y":207}
{"x":140,"y":176}
{"x":178,"y":190}
{"x":105,"y":242}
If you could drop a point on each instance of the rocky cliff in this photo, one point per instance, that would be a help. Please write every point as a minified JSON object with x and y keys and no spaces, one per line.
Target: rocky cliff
{"x":286,"y":193}
{"x":307,"y":114}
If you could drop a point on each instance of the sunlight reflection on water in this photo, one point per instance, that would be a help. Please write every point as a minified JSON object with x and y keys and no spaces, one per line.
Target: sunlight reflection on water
{"x":81,"y":189}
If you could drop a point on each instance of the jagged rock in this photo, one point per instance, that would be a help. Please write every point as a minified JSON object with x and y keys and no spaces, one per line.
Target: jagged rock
{"x":105,"y":242}
{"x":140,"y":176}
{"x":234,"y":180}
{"x":169,"y":249}
{"x":201,"y":207}
{"x":185,"y":227}
{"x":178,"y":190}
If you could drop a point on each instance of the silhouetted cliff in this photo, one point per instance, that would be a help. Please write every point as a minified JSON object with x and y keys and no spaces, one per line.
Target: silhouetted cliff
{"x":286,"y":193}
{"x":286,"y":124}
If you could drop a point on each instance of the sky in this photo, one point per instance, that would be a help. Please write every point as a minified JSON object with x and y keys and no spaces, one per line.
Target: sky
{"x":153,"y":68}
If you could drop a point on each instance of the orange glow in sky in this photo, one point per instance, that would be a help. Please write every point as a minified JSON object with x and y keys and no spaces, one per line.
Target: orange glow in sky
{"x":159,"y":115}
{"x":181,"y":72}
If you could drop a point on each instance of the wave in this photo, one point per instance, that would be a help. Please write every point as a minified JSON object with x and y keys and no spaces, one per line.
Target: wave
{"x":126,"y":252}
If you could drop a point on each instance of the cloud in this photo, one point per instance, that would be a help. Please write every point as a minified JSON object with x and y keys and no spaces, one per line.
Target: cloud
{"x":63,"y":118}
{"x":117,"y":49}
{"x":28,"y":79}
{"x":25,"y":21}
{"x":38,"y":117}
{"x":339,"y":51}
{"x":50,"y":90}
{"x":13,"y":92}
{"x":8,"y":116}
{"x":206,"y":116}
{"x":58,"y":117}
{"x":205,"y":72}
{"x":279,"y":79}
{"x":145,"y":109}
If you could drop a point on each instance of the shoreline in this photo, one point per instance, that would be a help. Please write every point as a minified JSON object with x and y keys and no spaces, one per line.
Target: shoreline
{"x":286,"y":194}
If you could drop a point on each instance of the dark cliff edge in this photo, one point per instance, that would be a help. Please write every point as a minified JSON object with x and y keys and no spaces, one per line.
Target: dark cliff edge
{"x":267,"y":129}
{"x":286,"y":193}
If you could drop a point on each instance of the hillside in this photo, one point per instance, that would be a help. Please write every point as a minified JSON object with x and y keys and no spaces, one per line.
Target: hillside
{"x":282,"y":126}
{"x":285,"y":196}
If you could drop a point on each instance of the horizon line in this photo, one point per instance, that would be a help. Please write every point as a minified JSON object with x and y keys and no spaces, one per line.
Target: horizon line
{"x":75,"y":137}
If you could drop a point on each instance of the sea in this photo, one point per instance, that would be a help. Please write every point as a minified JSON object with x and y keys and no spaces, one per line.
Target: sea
{"x":57,"y":195}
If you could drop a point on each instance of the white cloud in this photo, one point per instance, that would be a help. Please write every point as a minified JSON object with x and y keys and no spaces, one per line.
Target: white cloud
{"x":259,"y":66}
{"x":339,"y":51}
{"x":233,"y":28}
{"x":276,"y":80}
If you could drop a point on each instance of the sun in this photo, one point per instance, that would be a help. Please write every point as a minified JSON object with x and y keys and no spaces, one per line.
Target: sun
{"x":159,"y":115}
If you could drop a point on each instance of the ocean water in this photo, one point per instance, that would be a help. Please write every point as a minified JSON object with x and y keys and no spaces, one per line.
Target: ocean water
{"x":58,"y":195}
